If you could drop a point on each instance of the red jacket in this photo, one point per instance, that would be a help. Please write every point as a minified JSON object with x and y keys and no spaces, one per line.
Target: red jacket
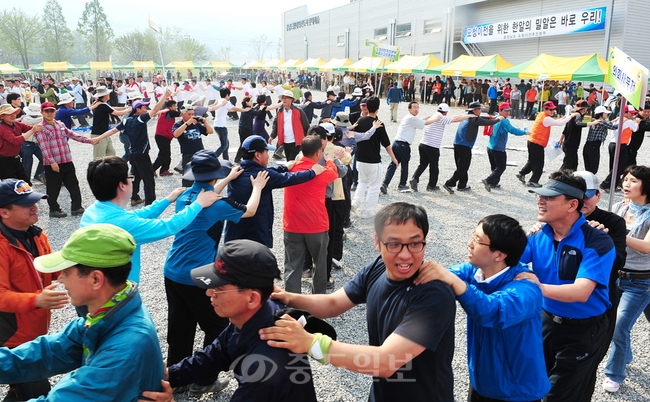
{"x":299,"y":123}
{"x":20,"y":320}
{"x":304,"y":204}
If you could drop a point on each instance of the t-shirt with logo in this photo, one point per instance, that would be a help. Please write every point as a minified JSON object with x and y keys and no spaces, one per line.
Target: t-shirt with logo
{"x":190,"y":141}
{"x":136,"y":128}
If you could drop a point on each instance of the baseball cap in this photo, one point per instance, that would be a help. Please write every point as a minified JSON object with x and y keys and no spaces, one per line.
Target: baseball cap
{"x":443,"y":108}
{"x":363,"y":101}
{"x":591,"y":180}
{"x":630,"y":109}
{"x":474,"y":105}
{"x":139,"y":103}
{"x":18,"y":192}
{"x":101,"y":245}
{"x":329,"y":127}
{"x":553,"y":187}
{"x":47,"y":105}
{"x":256,"y":143}
{"x":549,"y":105}
{"x":245,"y":263}
{"x":601,"y":109}
{"x":504,"y":106}
{"x":206,"y":166}
{"x":186,"y":107}
{"x":330,"y":93}
{"x":581,"y":104}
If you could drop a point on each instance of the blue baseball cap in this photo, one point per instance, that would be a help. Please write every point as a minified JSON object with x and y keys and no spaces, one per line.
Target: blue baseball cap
{"x":18,"y":192}
{"x":205,"y":166}
{"x":256,"y":143}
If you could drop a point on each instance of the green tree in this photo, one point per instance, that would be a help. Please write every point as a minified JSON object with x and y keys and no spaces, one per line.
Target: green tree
{"x":96,"y":31}
{"x":19,"y":33}
{"x":137,"y":45}
{"x":57,"y":40}
{"x":191,"y":49}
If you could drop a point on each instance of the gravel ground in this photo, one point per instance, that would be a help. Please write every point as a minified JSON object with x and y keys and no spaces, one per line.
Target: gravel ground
{"x":452,"y":220}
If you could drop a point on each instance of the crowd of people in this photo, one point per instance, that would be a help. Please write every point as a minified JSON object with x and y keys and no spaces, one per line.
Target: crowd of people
{"x":542,"y":307}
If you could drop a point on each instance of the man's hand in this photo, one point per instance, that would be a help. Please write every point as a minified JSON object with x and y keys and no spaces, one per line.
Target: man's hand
{"x":207,"y":198}
{"x":376,"y":124}
{"x":271,"y":140}
{"x":290,"y":165}
{"x":94,"y":141}
{"x":318,"y":169}
{"x":395,"y":162}
{"x":165,"y":396}
{"x":168,"y":93}
{"x":260,"y":180}
{"x":429,"y":271}
{"x":51,"y":299}
{"x":94,"y":105}
{"x":288,"y":334}
{"x":598,"y":225}
{"x":37,"y":127}
{"x":173,"y":196}
{"x":537,"y":226}
{"x":191,"y":121}
{"x":280,"y":295}
{"x":55,"y":167}
{"x":528,"y":276}
{"x":235,"y":172}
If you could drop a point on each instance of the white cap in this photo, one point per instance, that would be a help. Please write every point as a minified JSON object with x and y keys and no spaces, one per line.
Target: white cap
{"x":288,"y":93}
{"x":601,"y":109}
{"x":443,"y":107}
{"x":329,"y":127}
{"x":590,"y":178}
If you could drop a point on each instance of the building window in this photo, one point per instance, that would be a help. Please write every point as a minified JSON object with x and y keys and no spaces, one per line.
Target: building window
{"x":402,"y":30}
{"x":432,"y":26}
{"x":381,"y":33}
{"x":340,"y":41}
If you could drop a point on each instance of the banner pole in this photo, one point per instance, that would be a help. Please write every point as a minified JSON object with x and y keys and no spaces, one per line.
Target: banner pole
{"x":617,"y":154}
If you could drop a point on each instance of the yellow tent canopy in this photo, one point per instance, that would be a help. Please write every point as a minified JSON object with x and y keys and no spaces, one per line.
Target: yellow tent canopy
{"x":98,"y":66}
{"x":335,"y":64}
{"x":141,"y":65}
{"x":591,"y":67}
{"x":181,"y":65}
{"x":273,"y":63}
{"x":218,"y":65}
{"x":409,"y":64}
{"x":254,"y":65}
{"x":7,"y":68}
{"x":472,"y":66}
{"x":311,"y":64}
{"x":364,"y":65}
{"x":53,"y":67}
{"x":290,"y":64}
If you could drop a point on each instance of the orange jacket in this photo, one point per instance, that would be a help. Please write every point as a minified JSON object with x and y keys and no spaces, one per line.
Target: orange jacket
{"x":20,"y":320}
{"x":539,"y":134}
{"x":304,"y":204}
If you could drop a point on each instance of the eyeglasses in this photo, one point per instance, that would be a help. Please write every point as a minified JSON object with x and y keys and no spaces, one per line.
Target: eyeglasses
{"x":477,"y":240}
{"x":396,"y":248}
{"x":216,"y":292}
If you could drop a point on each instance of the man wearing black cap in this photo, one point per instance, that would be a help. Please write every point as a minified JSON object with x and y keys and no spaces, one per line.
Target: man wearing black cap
{"x":26,"y":296}
{"x":255,"y":159}
{"x":573,"y":262}
{"x":196,"y":245}
{"x":572,"y":134}
{"x":239,"y":283}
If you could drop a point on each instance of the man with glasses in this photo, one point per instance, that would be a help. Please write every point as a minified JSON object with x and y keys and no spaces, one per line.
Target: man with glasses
{"x":573,"y":262}
{"x":410,"y":328}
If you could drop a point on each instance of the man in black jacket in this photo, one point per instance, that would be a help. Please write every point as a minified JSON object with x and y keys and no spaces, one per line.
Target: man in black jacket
{"x":638,"y":135}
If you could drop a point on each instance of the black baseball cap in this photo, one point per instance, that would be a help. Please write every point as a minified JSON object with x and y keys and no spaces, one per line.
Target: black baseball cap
{"x":18,"y":192}
{"x":256,"y":143}
{"x":206,"y":166}
{"x":245,"y":263}
{"x":310,"y":323}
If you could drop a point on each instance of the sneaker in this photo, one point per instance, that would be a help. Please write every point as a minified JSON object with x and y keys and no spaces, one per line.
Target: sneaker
{"x":464,"y":189}
{"x":404,"y":189}
{"x":610,"y":385}
{"x":307,"y":273}
{"x":179,"y":168}
{"x":336,"y":264}
{"x":353,"y":188}
{"x":533,"y":184}
{"x":278,"y":156}
{"x":447,"y":189}
{"x":216,"y":386}
{"x":41,"y":178}
{"x":414,"y":185}
{"x":136,"y":202}
{"x":434,"y":188}
{"x":78,"y":212}
{"x":347,"y":224}
{"x":166,"y":173}
{"x":353,"y":208}
{"x":521,"y":178}
{"x":383,"y":189}
{"x":58,"y":214}
{"x":330,"y":284}
{"x":487,"y":185}
{"x":495,"y":185}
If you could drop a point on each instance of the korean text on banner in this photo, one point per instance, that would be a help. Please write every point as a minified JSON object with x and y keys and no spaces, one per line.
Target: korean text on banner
{"x":386,"y":51}
{"x":628,"y":77}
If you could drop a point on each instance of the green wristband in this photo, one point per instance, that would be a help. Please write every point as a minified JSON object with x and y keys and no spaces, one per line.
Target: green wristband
{"x":320,"y":347}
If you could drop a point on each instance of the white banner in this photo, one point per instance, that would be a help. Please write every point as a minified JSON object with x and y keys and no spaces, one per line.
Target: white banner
{"x":592,"y":19}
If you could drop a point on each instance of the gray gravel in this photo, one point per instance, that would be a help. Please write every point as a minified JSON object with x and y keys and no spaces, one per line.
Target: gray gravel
{"x":452,"y":219}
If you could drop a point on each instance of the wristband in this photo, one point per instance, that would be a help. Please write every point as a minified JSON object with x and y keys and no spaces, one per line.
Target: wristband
{"x":320,"y":347}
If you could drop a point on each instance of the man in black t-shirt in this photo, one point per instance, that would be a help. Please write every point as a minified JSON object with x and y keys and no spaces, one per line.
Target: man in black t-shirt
{"x":369,"y":160}
{"x":410,"y":328}
{"x":135,"y":127}
{"x":189,"y":130}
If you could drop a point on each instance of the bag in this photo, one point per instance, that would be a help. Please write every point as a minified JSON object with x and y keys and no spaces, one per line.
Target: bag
{"x":553,"y":150}
{"x":487,"y":130}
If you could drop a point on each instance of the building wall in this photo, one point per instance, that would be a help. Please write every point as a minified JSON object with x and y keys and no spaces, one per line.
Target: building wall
{"x":362,"y":17}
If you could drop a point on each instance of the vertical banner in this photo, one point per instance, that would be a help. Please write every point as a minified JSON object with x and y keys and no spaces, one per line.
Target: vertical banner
{"x":628,"y":77}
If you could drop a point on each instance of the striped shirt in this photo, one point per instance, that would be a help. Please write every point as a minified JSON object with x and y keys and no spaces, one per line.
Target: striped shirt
{"x":52,"y":140}
{"x":433,"y":132}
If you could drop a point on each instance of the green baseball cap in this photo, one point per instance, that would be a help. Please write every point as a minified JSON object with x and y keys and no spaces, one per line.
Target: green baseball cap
{"x":97,"y":246}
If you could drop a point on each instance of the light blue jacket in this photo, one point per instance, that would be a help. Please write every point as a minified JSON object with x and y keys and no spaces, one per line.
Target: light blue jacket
{"x":124,"y":357}
{"x":499,"y":137}
{"x":143,"y":224}
{"x":504,"y":335}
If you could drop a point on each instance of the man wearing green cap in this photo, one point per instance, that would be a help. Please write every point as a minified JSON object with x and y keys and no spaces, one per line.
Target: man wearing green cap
{"x":114,"y":350}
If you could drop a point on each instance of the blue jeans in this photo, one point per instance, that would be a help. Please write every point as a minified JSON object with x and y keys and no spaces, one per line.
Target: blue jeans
{"x":223,"y":139}
{"x":28,"y":150}
{"x":635,"y":296}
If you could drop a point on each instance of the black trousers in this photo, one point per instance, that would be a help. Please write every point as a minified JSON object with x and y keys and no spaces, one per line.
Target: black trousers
{"x":402,"y":152}
{"x":633,"y":146}
{"x":233,"y":115}
{"x":529,"y":109}
{"x":336,"y":229}
{"x":474,"y":396}
{"x":12,"y":168}
{"x":185,"y":160}
{"x":463,"y":158}
{"x":53,"y":181}
{"x":243,"y":134}
{"x":493,"y":106}
{"x":571,"y":355}
{"x":498,"y":161}
{"x":591,"y":156}
{"x":570,"y":161}
{"x":143,"y":172}
{"x":535,"y":162}
{"x":291,"y":150}
{"x":164,"y":158}
{"x":622,"y":164}
{"x":429,"y":156}
{"x":188,"y":306}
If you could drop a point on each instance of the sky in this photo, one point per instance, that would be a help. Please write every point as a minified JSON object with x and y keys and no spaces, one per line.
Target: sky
{"x":215,"y":26}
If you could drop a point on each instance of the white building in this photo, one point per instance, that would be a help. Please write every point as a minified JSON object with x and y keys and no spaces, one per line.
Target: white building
{"x":437,"y":27}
